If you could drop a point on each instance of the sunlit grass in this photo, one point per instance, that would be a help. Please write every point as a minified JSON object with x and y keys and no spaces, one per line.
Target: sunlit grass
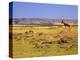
{"x":23,"y":42}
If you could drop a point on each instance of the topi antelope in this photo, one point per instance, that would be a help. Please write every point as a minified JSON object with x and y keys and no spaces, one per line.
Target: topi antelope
{"x":65,"y":24}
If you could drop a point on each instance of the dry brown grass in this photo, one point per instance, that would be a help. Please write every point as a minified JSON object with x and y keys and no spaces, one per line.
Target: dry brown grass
{"x":44,"y":41}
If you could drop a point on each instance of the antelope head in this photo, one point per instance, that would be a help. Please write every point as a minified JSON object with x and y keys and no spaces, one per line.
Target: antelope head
{"x":62,"y":21}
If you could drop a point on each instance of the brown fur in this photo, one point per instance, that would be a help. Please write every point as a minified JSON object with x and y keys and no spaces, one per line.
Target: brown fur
{"x":65,"y":24}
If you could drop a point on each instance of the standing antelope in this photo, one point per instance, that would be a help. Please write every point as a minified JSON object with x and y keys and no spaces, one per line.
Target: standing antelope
{"x":65,"y":24}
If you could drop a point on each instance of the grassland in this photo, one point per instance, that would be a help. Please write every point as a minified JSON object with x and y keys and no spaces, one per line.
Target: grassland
{"x":44,"y":41}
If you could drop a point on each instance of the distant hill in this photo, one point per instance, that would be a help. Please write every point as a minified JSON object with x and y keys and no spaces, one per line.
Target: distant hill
{"x":39,"y":21}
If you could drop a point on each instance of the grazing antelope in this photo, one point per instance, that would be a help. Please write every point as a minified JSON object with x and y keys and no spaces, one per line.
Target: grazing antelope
{"x":65,"y":24}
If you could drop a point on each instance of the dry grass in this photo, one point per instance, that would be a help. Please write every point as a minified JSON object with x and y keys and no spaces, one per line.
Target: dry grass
{"x":44,"y":41}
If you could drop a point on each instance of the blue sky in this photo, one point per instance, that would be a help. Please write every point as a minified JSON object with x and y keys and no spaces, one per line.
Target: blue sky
{"x":52,"y":11}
